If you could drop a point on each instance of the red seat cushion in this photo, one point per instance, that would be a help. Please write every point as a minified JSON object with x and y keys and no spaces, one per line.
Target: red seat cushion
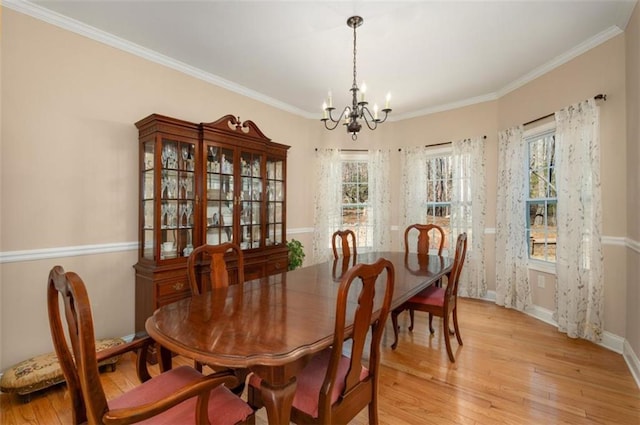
{"x":310,"y":380}
{"x":225,"y":408}
{"x":432,"y":295}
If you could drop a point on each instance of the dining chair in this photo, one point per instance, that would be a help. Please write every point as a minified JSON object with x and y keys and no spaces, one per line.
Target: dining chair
{"x":439,"y":301}
{"x":180,"y":395}
{"x":217,"y":277}
{"x":424,"y":243}
{"x":344,"y":236}
{"x":333,"y":387}
{"x":425,"y":240}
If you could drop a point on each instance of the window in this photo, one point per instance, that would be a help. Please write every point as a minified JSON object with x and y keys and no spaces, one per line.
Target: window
{"x":439,"y":192}
{"x":355,"y":198}
{"x":542,"y":197}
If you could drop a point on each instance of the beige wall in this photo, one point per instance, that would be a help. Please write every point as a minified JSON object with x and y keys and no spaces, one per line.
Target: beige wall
{"x":69,"y":163}
{"x":600,"y":70}
{"x":633,"y":179}
{"x":69,"y":166}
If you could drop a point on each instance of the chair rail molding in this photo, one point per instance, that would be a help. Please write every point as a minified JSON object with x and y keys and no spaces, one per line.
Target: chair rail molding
{"x":66,"y":251}
{"x":75,"y":251}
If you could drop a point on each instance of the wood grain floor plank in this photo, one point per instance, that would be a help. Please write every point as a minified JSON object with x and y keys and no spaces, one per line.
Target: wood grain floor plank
{"x":512,"y":370}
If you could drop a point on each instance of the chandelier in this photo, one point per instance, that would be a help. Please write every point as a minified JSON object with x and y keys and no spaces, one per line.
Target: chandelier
{"x":352,"y":115}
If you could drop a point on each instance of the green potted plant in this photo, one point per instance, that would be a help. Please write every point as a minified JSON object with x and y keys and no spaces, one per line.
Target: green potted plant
{"x":296,"y":254}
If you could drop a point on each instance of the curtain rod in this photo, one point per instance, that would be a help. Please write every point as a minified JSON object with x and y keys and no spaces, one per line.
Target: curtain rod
{"x":596,"y":97}
{"x":439,"y":144}
{"x":350,"y":150}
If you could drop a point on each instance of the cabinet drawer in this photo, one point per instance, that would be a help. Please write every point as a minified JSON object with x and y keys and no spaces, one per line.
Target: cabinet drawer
{"x":276,"y":265}
{"x":172,"y":290}
{"x":253,"y":271}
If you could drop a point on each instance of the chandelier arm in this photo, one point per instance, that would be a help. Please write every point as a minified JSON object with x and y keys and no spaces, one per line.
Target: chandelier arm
{"x":336,"y":122}
{"x":374,"y":123}
{"x":386,"y":114}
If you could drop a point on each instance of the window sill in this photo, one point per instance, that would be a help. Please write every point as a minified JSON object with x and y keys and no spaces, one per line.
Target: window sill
{"x":542,"y":266}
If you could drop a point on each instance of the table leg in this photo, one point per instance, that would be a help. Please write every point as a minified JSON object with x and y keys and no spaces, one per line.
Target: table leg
{"x":277,"y":400}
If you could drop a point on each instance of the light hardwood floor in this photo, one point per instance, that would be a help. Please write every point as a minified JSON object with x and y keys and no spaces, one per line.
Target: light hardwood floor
{"x":512,"y":369}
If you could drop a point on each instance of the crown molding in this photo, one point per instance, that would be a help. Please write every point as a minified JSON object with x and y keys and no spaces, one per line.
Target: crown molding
{"x":104,"y":37}
{"x":78,"y":27}
{"x":447,"y":107}
{"x":559,"y":60}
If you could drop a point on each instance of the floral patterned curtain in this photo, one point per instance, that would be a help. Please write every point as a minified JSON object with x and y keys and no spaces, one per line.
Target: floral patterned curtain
{"x":327,"y":202}
{"x":468,"y":212}
{"x":580,"y":282}
{"x":513,"y":289}
{"x":413,"y":163}
{"x":379,"y":199}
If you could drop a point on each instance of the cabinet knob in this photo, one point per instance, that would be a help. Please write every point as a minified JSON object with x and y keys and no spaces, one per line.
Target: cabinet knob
{"x":178,"y":286}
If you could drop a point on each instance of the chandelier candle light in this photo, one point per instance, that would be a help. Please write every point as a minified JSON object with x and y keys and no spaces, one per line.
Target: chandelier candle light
{"x":358,"y":109}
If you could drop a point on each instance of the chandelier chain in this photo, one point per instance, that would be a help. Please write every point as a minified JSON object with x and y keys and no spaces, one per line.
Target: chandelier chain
{"x":354,"y":57}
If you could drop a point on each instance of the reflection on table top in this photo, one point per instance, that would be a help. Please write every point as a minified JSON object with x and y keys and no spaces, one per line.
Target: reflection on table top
{"x":277,"y":319}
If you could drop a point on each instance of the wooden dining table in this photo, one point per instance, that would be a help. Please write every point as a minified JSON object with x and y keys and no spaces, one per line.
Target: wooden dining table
{"x":274,"y":325}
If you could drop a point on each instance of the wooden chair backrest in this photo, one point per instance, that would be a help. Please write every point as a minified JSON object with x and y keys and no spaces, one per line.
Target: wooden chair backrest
{"x":80,"y":369}
{"x":424,"y":238}
{"x":218,"y":270}
{"x":344,"y":236}
{"x":456,"y":269}
{"x":363,"y":320}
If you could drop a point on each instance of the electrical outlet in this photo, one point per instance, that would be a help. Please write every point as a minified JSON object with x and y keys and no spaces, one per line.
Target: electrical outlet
{"x":540,"y":281}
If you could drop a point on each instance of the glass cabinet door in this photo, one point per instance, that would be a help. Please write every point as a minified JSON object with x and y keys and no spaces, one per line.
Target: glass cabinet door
{"x":219,"y":195}
{"x":250,"y":200}
{"x":275,"y":202}
{"x":148,"y":199}
{"x":175,"y":196}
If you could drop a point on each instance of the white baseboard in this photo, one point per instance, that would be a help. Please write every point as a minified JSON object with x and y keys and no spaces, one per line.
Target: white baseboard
{"x":632,"y":361}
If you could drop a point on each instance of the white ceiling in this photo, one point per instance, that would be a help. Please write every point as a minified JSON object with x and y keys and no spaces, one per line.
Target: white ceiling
{"x":431,"y":55}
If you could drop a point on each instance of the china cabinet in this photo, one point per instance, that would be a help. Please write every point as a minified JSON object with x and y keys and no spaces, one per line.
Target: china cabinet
{"x":206,"y":183}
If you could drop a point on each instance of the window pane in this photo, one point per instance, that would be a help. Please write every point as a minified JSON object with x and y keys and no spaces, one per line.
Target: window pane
{"x":353,"y":216}
{"x":363,"y":174}
{"x":541,"y":206}
{"x":537,"y":185}
{"x":349,"y":171}
{"x":431,"y":193}
{"x":363,"y":193}
{"x":349,"y":193}
{"x":355,"y":196}
{"x":552,"y":183}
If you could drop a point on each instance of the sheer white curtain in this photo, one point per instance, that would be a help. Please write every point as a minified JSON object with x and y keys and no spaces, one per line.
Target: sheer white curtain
{"x":378,"y":214}
{"x":580,"y":288}
{"x":513,"y":289}
{"x":413,"y":163}
{"x":328,"y":201}
{"x":468,"y":212}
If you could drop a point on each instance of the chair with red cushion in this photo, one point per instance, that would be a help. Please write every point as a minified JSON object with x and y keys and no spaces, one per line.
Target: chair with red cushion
{"x":180,"y":395}
{"x":344,"y":236}
{"x":333,"y":387}
{"x":439,"y":301}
